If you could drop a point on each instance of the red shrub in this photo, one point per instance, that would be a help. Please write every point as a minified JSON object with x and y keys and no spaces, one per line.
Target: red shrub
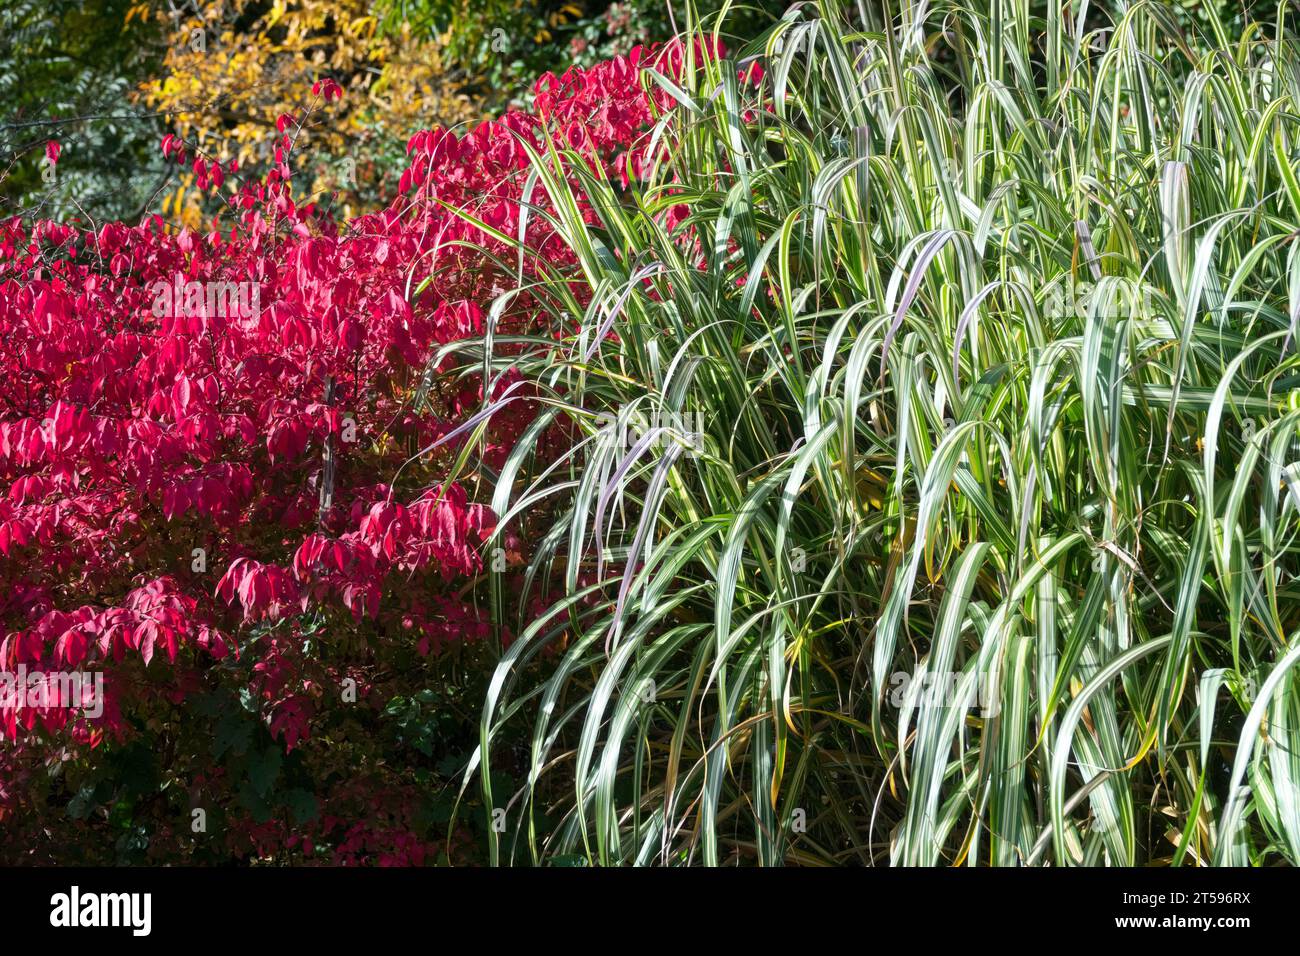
{"x":206,"y":438}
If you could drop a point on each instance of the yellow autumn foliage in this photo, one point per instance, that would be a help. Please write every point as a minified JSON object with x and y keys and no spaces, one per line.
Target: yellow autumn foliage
{"x":233,"y":66}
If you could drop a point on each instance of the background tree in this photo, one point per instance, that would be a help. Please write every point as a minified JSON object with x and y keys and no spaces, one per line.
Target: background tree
{"x":66,"y":67}
{"x":231,"y":68}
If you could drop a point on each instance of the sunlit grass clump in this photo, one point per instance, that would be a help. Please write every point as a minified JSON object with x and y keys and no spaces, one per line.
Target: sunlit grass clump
{"x":935,"y":492}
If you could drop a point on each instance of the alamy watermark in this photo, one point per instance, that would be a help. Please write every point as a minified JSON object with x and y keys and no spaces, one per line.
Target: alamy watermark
{"x":662,"y":427}
{"x":75,"y":690}
{"x":206,"y":299}
{"x":940,"y":689}
{"x":1115,"y":299}
{"x":73,"y":909}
